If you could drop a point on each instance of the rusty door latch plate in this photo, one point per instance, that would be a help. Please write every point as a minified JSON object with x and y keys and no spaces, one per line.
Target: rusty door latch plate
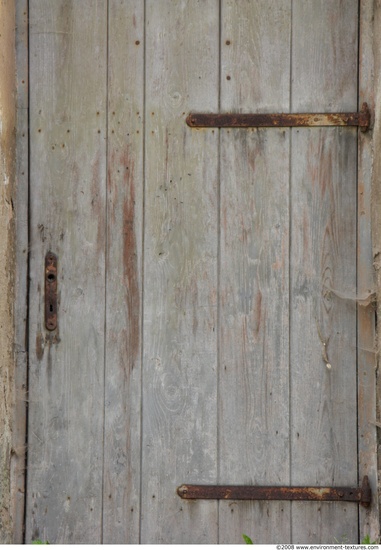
{"x":362,"y":494}
{"x":51,"y":291}
{"x":279,"y":120}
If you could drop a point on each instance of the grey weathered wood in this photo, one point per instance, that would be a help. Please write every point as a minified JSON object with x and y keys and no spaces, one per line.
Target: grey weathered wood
{"x":204,"y":232}
{"x":21,"y":283}
{"x":124,"y":272}
{"x":68,"y":69}
{"x":367,"y":359}
{"x":254,"y":264}
{"x":180,"y":272}
{"x":323,"y":252}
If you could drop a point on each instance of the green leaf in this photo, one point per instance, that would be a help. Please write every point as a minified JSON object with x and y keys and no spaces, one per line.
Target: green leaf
{"x":366,"y":540}
{"x":247,"y":539}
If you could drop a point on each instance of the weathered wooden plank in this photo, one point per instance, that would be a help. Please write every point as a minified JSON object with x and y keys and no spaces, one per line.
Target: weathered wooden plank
{"x":254,"y":212}
{"x":180,"y":272}
{"x":323,"y":329}
{"x":124,"y":273}
{"x":323,"y":271}
{"x":7,"y":242}
{"x":367,"y":359}
{"x":68,"y":81}
{"x":21,"y":283}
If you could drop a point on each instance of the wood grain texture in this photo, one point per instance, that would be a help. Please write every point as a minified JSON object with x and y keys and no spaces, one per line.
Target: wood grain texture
{"x":124,"y":273}
{"x":21,"y":281}
{"x":207,"y":315}
{"x":323,"y":271}
{"x":367,"y":360}
{"x":254,"y":279}
{"x":68,"y":65}
{"x":180,"y":272}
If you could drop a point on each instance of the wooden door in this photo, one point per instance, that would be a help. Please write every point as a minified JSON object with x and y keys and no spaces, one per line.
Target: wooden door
{"x":208,"y":330}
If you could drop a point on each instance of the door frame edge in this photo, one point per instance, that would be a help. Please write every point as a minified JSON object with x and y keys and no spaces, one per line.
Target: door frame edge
{"x":369,"y":273}
{"x":18,"y":415}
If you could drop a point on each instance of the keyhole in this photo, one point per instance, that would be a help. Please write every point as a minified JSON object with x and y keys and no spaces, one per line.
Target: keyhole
{"x":51,"y":305}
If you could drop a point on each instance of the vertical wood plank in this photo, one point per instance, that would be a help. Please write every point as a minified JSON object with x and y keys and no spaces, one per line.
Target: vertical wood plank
{"x":180,"y":272}
{"x":367,"y":360}
{"x":68,"y":61}
{"x":21,"y":307}
{"x":254,"y":278}
{"x":323,"y":271}
{"x":124,"y":285}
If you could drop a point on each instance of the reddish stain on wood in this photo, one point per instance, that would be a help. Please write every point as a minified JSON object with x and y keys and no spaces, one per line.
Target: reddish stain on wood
{"x":130,"y":259}
{"x":112,"y":188}
{"x":320,"y":166}
{"x":39,"y":346}
{"x":327,"y":175}
{"x":96,"y":205}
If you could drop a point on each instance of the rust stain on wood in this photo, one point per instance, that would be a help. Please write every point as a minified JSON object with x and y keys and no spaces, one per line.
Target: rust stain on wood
{"x":49,"y":365}
{"x":96,"y":204}
{"x":39,"y":346}
{"x":112,"y":188}
{"x":319,"y":165}
{"x":130,"y":259}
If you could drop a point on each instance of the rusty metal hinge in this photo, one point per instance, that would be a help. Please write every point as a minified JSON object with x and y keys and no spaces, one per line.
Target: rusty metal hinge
{"x":51,"y":291}
{"x":362,"y":494}
{"x":278,"y":120}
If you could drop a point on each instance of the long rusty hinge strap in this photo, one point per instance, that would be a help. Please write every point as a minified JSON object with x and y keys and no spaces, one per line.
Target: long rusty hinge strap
{"x":362,"y":494}
{"x":278,"y":120}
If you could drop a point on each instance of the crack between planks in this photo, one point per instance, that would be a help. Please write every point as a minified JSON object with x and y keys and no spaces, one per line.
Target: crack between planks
{"x":27,"y":324}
